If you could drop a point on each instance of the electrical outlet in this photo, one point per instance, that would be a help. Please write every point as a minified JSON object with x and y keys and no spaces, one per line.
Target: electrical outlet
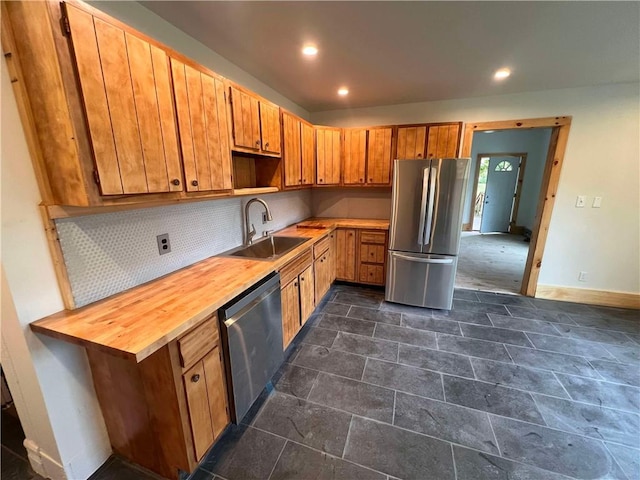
{"x":580,"y":201}
{"x":164,"y":246}
{"x":582,"y":277}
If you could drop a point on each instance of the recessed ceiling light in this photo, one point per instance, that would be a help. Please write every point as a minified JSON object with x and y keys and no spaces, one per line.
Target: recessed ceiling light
{"x":343,"y":91}
{"x":502,"y":74}
{"x":310,"y":50}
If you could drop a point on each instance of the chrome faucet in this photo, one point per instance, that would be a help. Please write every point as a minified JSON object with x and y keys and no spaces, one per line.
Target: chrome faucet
{"x":249,"y":233}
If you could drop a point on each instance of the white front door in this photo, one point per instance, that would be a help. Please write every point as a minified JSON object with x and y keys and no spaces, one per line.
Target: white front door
{"x":502,"y":176}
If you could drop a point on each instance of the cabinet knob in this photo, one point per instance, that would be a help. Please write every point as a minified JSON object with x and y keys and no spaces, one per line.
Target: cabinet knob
{"x":361,"y":180}
{"x":371,"y":179}
{"x":195,"y":378}
{"x":266,"y":145}
{"x":194,"y":183}
{"x":304,"y":180}
{"x":175,"y":181}
{"x":419,"y":155}
{"x":257,"y":143}
{"x":320,"y":180}
{"x":295,"y":284}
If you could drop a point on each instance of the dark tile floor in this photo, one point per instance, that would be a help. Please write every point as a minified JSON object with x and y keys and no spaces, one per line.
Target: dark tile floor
{"x":501,"y":387}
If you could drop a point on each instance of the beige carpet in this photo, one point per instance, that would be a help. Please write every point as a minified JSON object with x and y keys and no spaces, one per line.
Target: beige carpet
{"x":492,"y":262}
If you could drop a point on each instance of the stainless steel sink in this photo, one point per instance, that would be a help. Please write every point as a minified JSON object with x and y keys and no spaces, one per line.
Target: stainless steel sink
{"x":269,"y":248}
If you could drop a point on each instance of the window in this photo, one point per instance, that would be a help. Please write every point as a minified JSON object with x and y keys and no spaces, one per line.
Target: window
{"x":504,"y":166}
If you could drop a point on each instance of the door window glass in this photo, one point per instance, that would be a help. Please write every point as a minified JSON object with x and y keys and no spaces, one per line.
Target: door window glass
{"x":504,"y":166}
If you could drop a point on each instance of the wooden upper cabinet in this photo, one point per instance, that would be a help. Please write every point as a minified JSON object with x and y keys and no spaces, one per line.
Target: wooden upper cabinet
{"x":203,"y":126}
{"x":379,"y":153}
{"x":126,"y":91}
{"x":270,"y":127}
{"x":443,"y":141}
{"x":292,"y":154}
{"x":255,"y":123}
{"x":412,"y":142}
{"x":355,"y":156}
{"x":308,"y":160}
{"x":298,"y":151}
{"x":328,"y":154}
{"x":245,"y":113}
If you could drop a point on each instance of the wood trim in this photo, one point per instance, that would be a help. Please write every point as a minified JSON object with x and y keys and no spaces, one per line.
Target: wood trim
{"x":592,"y":297}
{"x":58,"y":259}
{"x":518,"y":194}
{"x":551,"y":177}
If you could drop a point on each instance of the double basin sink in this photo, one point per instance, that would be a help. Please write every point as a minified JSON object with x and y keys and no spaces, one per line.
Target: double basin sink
{"x":269,"y":248}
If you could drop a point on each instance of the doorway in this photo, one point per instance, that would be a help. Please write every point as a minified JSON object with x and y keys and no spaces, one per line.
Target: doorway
{"x":497,"y":191}
{"x":549,"y":183}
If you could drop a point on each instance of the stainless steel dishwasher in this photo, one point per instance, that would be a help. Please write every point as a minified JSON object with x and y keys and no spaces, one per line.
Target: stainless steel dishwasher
{"x":252,"y":341}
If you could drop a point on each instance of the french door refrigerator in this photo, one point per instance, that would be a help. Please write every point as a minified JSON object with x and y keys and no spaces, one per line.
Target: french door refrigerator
{"x":424,"y":233}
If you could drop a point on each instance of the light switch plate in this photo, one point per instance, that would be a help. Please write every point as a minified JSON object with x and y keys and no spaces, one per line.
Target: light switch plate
{"x":580,"y":201}
{"x":597,"y":202}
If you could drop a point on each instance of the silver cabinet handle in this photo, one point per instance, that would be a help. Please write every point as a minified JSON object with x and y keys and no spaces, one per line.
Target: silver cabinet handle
{"x":423,"y":205}
{"x":432,"y":191}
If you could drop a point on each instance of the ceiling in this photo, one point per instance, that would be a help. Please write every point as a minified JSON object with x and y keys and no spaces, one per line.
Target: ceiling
{"x":400,"y":52}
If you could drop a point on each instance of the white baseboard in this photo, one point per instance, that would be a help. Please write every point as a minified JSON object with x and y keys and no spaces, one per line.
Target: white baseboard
{"x":589,"y":296}
{"x":43,"y":464}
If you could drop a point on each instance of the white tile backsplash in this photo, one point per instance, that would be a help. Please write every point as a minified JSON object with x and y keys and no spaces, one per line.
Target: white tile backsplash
{"x":111,"y":252}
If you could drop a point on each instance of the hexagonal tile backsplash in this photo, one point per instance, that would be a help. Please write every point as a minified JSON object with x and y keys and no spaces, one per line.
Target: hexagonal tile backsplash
{"x":111,"y":252}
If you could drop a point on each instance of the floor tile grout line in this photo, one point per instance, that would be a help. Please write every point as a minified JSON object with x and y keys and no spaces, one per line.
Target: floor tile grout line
{"x":364,"y":369}
{"x":578,"y":339}
{"x":288,"y":440}
{"x":441,"y":439}
{"x":393,"y":415}
{"x":444,"y":393}
{"x":563,"y":387}
{"x":606,"y":447}
{"x":533,"y":345}
{"x":535,"y":403}
{"x":495,"y":437}
{"x":589,"y":360}
{"x":453,"y":461}
{"x":277,"y":460}
{"x":346,"y":440}
{"x":473,"y":370}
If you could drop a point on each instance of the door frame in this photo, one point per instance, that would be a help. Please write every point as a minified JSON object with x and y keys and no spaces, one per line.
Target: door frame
{"x":519,"y":182}
{"x":560,"y":127}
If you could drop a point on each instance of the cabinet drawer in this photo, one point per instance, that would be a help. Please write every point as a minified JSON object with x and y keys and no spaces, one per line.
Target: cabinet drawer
{"x":295,"y":267}
{"x":372,"y":253}
{"x":370,"y":236}
{"x":320,"y":247}
{"x":195,"y":344}
{"x":373,"y":274}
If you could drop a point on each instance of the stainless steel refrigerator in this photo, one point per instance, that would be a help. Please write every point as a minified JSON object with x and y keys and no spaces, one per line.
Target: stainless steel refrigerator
{"x":424,"y":234}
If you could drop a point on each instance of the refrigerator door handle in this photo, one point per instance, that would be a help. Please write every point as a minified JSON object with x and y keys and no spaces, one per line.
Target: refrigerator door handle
{"x":444,"y":261}
{"x":423,"y":204}
{"x":430,"y":206}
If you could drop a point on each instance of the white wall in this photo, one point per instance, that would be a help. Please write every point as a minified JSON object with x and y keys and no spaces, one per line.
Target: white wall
{"x":602,"y":159}
{"x":535,"y":143}
{"x":144,"y":20}
{"x":50,"y":380}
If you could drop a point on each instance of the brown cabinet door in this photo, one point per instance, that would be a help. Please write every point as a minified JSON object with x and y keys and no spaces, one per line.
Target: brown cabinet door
{"x":332,"y":257}
{"x":270,"y":127}
{"x":203,"y":125}
{"x":443,"y":141}
{"x":371,"y":274}
{"x":323,"y":275}
{"x":126,"y":94}
{"x":245,"y":115}
{"x":346,"y":254}
{"x":195,"y":385}
{"x":290,"y":298}
{"x":411,"y":142}
{"x":292,"y":153}
{"x":308,"y":154}
{"x":328,"y":156}
{"x":355,"y":156}
{"x":307,"y":294}
{"x":216,"y":391}
{"x":379,"y":156}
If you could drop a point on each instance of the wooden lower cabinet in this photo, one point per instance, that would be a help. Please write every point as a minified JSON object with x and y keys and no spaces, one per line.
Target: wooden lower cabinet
{"x":372,"y":247}
{"x":165,"y":412}
{"x":297,"y":293}
{"x":322,"y":266}
{"x":346,"y":254}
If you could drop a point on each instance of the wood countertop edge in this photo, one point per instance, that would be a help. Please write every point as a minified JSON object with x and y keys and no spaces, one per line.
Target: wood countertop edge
{"x":156,"y":343}
{"x":360,"y":223}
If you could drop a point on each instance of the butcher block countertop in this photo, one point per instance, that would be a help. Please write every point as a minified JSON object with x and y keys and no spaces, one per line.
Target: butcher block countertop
{"x":370,"y":224}
{"x":136,"y":323}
